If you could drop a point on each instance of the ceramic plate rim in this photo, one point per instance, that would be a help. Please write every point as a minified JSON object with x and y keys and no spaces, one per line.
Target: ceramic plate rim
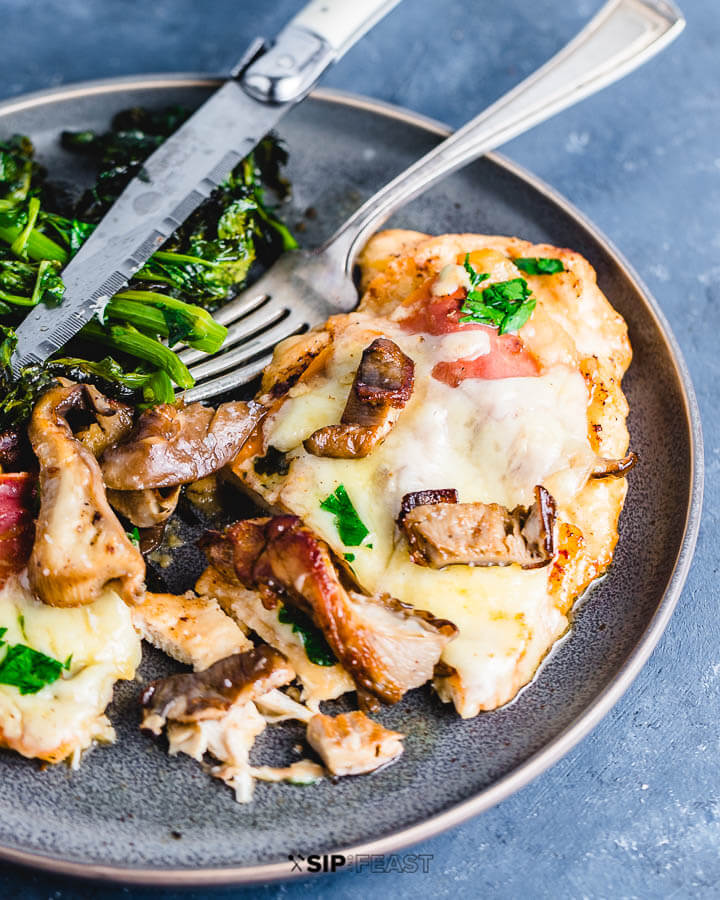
{"x":592,"y":714}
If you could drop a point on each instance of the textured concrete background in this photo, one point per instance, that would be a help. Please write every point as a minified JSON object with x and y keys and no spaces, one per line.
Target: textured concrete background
{"x":634,"y":811}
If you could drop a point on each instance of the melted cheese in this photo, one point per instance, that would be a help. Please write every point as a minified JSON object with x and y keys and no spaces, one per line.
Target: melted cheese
{"x":64,"y":718}
{"x":493,"y":441}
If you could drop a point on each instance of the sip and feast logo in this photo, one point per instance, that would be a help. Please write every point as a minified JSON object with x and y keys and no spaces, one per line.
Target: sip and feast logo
{"x":370,"y":863}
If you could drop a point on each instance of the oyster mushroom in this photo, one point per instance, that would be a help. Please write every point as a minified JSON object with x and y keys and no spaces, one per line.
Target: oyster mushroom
{"x":209,"y":694}
{"x":442,"y":533}
{"x":617,"y":468}
{"x":80,"y":547}
{"x":113,"y":422}
{"x":383,"y":385}
{"x":388,"y":647}
{"x":148,"y":508}
{"x":173,"y":445}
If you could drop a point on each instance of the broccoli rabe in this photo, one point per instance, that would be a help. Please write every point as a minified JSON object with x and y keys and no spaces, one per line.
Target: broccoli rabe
{"x":169,"y":300}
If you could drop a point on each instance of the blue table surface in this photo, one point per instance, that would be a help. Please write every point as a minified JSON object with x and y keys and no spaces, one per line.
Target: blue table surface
{"x":634,"y":810}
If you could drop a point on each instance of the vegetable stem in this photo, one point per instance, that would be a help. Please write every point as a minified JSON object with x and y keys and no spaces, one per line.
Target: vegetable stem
{"x":130,"y":340}
{"x":20,"y":243}
{"x":38,"y":246}
{"x":169,"y":317}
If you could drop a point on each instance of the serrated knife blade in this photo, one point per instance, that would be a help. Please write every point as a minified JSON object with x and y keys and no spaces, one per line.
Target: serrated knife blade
{"x":190,"y":164}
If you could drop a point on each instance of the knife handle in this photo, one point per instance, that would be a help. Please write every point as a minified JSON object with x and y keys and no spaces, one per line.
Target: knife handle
{"x":318,"y":35}
{"x":342,"y":22}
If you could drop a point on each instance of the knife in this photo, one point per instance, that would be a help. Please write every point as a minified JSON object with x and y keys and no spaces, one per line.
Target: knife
{"x":266,"y":83}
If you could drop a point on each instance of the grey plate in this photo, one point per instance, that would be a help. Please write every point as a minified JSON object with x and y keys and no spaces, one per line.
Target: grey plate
{"x":120,"y":815}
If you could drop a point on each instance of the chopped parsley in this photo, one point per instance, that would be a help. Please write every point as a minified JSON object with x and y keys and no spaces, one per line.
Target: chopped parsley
{"x":134,"y":537}
{"x":316,"y":647}
{"x":350,"y":557}
{"x":475,"y":277}
{"x":505,"y":305}
{"x":351,"y":528}
{"x":539,"y":265}
{"x":28,"y":669}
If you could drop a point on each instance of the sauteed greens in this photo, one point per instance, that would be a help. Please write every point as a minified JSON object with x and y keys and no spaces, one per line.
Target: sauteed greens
{"x":169,"y":301}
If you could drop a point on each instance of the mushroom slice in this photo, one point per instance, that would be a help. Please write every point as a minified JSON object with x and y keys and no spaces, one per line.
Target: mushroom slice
{"x":423,"y":498}
{"x":209,"y":694}
{"x":113,"y":422}
{"x":147,"y":508}
{"x":80,"y":547}
{"x":617,"y":468}
{"x":482,"y":534}
{"x":387,"y":646}
{"x":352,"y":744}
{"x":383,"y":385}
{"x":173,"y":445}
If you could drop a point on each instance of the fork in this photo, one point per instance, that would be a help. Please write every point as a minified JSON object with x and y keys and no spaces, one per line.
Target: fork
{"x":304,"y":287}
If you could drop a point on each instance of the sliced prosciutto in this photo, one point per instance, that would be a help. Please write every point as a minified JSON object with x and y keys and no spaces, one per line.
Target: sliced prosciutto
{"x":17,"y":525}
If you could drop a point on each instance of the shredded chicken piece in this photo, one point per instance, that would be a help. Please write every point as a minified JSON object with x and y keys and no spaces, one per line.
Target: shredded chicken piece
{"x":276,"y":706}
{"x":318,"y":682}
{"x":80,"y":548}
{"x":304,"y":771}
{"x":444,"y":533}
{"x":193,"y":630}
{"x":352,"y":744}
{"x":228,"y":739}
{"x":383,"y":385}
{"x":173,"y":445}
{"x":388,"y":647}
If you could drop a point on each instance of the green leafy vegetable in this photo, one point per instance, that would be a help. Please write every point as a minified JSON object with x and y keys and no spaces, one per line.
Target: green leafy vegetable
{"x":134,"y":537}
{"x":28,"y":669}
{"x":350,"y":526}
{"x":316,"y":647}
{"x":203,"y":263}
{"x":156,"y":314}
{"x":19,"y":395}
{"x":155,"y":387}
{"x":506,"y":305}
{"x":475,"y":277}
{"x":16,"y":168}
{"x":539,"y":265}
{"x":129,"y":340}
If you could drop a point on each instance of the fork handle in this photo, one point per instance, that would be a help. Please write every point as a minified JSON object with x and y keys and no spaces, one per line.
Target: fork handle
{"x":623,"y":34}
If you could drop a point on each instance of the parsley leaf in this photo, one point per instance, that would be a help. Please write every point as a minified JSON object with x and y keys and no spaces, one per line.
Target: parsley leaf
{"x":134,"y":537}
{"x":27,"y":669}
{"x":316,"y":647}
{"x":505,"y":305}
{"x":475,"y":277}
{"x":351,"y":528}
{"x":539,"y":265}
{"x":350,"y":557}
